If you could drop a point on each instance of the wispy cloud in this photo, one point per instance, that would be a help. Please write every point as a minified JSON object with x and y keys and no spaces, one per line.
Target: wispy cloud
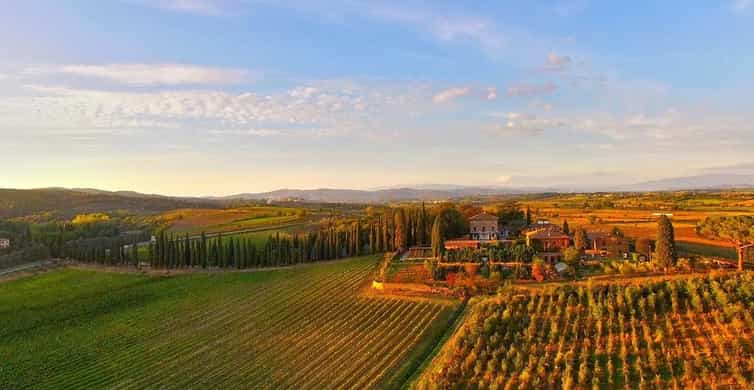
{"x":491,"y":93}
{"x":198,"y":7}
{"x":742,"y":5}
{"x":324,"y":110}
{"x":532,"y":89}
{"x":148,"y":74}
{"x":522,"y":124}
{"x":450,"y":94}
{"x":557,"y":63}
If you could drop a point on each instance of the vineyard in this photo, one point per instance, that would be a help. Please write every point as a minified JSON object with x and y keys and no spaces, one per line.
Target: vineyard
{"x":195,"y":221}
{"x":693,"y":333}
{"x":302,"y":327}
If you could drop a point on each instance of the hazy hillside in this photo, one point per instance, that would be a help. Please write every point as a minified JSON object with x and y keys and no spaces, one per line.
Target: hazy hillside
{"x":699,"y":182}
{"x":376,"y":196}
{"x":63,"y":203}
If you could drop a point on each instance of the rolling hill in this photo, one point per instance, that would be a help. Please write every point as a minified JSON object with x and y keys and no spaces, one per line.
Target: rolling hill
{"x":65,"y":203}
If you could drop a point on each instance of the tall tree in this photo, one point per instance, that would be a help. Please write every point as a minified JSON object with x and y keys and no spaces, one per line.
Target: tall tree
{"x":400,"y":230}
{"x":581,"y":240}
{"x":356,"y":238}
{"x":665,"y":254}
{"x":437,"y":241}
{"x":528,"y":216}
{"x":566,"y":229}
{"x":371,"y":238}
{"x":386,"y":247}
{"x":738,"y":230}
{"x":422,"y":228}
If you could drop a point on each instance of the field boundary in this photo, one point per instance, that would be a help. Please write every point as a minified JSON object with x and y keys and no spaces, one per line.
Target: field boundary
{"x":16,"y":272}
{"x":189,"y":271}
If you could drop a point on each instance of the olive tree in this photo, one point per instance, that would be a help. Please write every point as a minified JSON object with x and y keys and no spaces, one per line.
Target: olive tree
{"x":738,"y":230}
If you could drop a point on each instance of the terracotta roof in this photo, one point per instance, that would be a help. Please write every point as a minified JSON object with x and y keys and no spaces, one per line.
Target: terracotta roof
{"x":483,"y":216}
{"x":593,"y":235}
{"x":546,"y":233}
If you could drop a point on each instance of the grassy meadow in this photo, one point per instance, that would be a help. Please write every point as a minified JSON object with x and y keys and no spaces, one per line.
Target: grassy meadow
{"x":300,"y":327}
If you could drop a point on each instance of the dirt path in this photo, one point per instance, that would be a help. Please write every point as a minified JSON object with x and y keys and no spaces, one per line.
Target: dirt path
{"x":23,"y":270}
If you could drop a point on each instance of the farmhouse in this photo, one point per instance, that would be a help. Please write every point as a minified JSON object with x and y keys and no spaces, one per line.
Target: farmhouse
{"x":4,"y":243}
{"x":549,"y":243}
{"x":484,"y":227}
{"x":604,"y":244}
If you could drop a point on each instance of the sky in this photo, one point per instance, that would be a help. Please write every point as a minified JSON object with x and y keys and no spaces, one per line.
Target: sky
{"x":217,"y":97}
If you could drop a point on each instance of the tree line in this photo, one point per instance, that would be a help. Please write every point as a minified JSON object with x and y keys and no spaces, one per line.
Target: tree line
{"x":394,"y":229}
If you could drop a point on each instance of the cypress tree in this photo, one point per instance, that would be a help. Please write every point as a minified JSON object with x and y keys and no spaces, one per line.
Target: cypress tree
{"x":400,"y":230}
{"x":566,"y":229}
{"x":239,"y":254}
{"x":581,"y":239}
{"x":371,"y":239}
{"x":378,"y":234}
{"x":528,"y":216}
{"x":385,"y":234}
{"x":203,"y":251}
{"x":357,"y":238}
{"x":438,"y":246}
{"x":422,"y":228}
{"x":220,"y":251}
{"x":665,"y":253}
{"x":186,"y":251}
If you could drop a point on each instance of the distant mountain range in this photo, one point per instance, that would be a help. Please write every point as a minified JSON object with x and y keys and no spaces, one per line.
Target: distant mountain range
{"x":70,"y":201}
{"x":699,"y":182}
{"x":329,"y":195}
{"x":430,"y":192}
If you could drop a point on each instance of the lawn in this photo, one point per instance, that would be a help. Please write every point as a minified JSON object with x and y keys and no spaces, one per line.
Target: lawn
{"x":302,"y":327}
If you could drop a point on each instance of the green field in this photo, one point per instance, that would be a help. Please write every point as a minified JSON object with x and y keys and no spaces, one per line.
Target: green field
{"x":301,"y":327}
{"x":691,"y":248}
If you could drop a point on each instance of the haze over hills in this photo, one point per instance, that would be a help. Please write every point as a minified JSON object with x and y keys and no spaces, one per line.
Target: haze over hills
{"x":66,"y":203}
{"x":449,"y":191}
{"x":698,"y":182}
{"x":15,"y":202}
{"x":371,"y":196}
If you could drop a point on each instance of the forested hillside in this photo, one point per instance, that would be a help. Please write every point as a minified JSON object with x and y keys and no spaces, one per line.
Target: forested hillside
{"x":50,"y":204}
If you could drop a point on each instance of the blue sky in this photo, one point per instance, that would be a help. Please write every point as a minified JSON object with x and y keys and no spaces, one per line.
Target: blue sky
{"x":200,"y":97}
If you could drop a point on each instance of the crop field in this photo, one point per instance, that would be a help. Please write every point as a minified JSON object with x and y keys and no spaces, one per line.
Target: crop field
{"x":682,"y":333}
{"x":636,"y":223}
{"x":694,"y":201}
{"x":194,"y":221}
{"x":301,"y":327}
{"x":688,"y":248}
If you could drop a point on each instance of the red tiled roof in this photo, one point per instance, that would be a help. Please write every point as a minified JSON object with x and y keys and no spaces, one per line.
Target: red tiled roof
{"x":483,"y":216}
{"x":461,"y":244}
{"x":546,"y":234}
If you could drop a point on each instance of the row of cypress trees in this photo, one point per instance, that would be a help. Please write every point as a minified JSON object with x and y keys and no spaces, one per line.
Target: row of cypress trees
{"x":391,"y":230}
